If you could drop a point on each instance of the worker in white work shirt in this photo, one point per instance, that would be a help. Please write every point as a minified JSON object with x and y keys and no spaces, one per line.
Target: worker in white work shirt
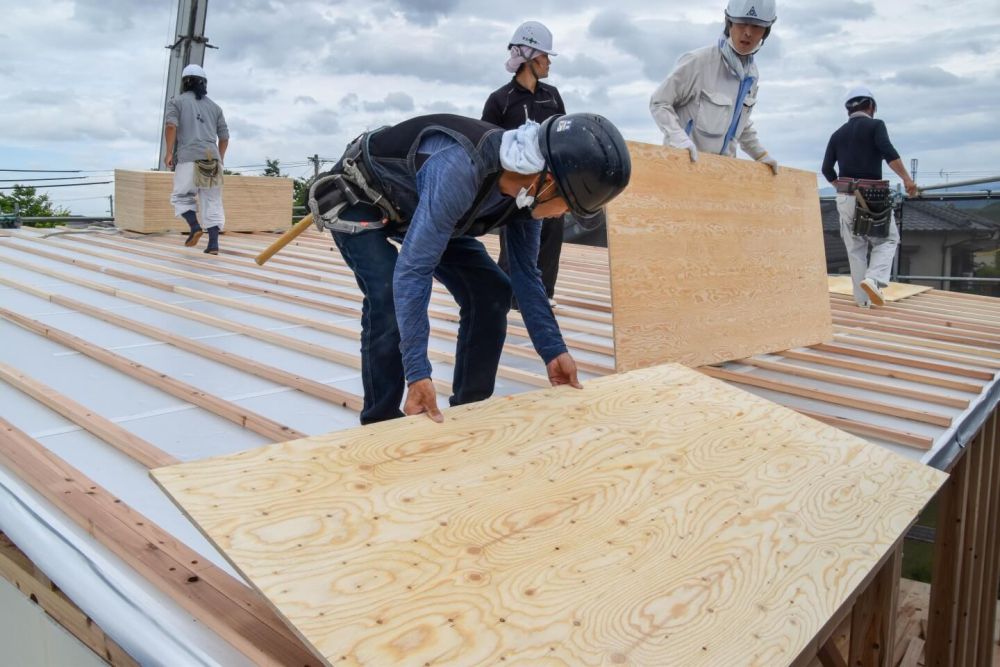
{"x":706,"y":102}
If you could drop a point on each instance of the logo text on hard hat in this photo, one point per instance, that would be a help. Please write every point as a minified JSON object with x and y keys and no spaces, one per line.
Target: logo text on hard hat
{"x":563,"y":125}
{"x":752,"y":12}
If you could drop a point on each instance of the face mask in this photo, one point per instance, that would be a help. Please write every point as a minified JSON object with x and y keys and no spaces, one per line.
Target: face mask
{"x":523,"y":199}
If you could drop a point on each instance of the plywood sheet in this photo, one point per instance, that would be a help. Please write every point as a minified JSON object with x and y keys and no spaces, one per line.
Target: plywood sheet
{"x":714,"y":261}
{"x":894,"y":292}
{"x":658,"y":517}
{"x":252,"y":203}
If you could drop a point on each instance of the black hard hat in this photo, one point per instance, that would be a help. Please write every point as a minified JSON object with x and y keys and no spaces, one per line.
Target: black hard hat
{"x":588,"y":159}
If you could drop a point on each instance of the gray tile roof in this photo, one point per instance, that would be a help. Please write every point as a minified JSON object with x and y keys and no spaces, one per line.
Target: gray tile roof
{"x":921,"y":216}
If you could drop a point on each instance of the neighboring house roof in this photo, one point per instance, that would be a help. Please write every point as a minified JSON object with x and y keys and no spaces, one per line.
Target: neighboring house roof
{"x":921,"y":216}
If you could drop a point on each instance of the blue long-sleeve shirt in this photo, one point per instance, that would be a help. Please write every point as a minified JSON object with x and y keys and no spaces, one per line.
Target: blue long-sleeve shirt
{"x":447,"y":188}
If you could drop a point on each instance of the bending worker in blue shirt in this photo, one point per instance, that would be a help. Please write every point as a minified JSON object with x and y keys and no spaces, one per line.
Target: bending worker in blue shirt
{"x":434,"y":183}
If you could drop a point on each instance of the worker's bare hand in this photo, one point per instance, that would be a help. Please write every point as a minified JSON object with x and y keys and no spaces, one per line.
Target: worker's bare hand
{"x":421,"y":398}
{"x":169,"y":160}
{"x":911,"y":187}
{"x":562,"y":370}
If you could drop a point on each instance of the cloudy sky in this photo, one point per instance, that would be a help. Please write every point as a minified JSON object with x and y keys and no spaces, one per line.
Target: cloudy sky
{"x":82,"y":82}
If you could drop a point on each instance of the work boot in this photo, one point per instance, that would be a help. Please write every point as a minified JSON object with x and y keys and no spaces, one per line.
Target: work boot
{"x":213,"y":241}
{"x":873,"y":291}
{"x":192,"y":219}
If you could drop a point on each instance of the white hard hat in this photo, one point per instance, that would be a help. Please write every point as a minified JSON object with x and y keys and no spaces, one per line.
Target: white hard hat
{"x":758,"y":12}
{"x":533,"y":35}
{"x":194,"y":70}
{"x":859,"y":92}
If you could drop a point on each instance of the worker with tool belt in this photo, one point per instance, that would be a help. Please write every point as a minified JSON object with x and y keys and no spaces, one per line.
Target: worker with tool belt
{"x":522,"y":99}
{"x":432,"y":184}
{"x":864,"y":201}
{"x":706,"y":102}
{"x":196,"y":127}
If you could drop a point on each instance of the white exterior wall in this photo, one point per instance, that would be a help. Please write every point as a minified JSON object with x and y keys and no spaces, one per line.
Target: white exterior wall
{"x":30,"y":638}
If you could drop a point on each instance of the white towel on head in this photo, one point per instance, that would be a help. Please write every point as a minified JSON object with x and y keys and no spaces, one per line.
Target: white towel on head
{"x":519,"y":150}
{"x":518,"y":56}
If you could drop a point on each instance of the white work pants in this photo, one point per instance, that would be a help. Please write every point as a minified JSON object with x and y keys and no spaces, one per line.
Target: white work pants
{"x":184,"y":198}
{"x":879,"y":268}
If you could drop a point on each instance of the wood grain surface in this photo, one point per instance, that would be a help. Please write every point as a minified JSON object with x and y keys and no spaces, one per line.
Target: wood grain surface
{"x":714,"y":260}
{"x":252,"y":203}
{"x":658,"y":517}
{"x":894,"y":292}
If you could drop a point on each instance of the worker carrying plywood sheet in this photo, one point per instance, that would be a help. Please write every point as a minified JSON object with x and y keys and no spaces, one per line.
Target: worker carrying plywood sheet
{"x":863,"y":198}
{"x":433,"y":183}
{"x":706,"y":102}
{"x":196,"y":140}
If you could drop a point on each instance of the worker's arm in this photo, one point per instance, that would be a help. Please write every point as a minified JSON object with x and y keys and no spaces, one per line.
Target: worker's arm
{"x":222,"y":130}
{"x":170,"y":119}
{"x":897,"y":166}
{"x":829,"y":159}
{"x":523,"y":237}
{"x":676,"y":91}
{"x":446,"y":188}
{"x":491,"y":111}
{"x":560,"y":105}
{"x":891,"y":156}
{"x":170,"y":136}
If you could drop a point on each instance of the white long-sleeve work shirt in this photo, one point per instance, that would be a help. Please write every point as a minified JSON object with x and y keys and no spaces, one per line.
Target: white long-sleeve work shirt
{"x":699,"y":99}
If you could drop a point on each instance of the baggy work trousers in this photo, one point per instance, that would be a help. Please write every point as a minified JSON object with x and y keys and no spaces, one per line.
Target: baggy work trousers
{"x":879,"y":267}
{"x":186,"y":196}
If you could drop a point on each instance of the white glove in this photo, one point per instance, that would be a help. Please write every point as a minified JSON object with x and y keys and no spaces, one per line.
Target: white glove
{"x":770,"y":162}
{"x":682,"y":140}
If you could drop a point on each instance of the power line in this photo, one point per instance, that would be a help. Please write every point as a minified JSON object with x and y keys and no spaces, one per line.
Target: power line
{"x":32,"y":180}
{"x":60,"y":185}
{"x":60,"y":171}
{"x":61,"y":200}
{"x":46,"y":171}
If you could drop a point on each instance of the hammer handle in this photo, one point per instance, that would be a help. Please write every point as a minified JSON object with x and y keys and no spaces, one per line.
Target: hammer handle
{"x":284,"y":239}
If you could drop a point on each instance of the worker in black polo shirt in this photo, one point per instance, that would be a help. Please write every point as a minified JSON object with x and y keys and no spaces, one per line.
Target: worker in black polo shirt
{"x":526,"y":98}
{"x":863,"y":199}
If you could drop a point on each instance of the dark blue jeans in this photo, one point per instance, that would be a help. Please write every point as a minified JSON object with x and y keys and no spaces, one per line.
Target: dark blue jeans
{"x":482,"y":292}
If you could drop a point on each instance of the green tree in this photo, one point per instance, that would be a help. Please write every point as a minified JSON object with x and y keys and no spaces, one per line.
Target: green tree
{"x":300,"y":186}
{"x":272,"y":168}
{"x":301,"y":190}
{"x":29,"y":204}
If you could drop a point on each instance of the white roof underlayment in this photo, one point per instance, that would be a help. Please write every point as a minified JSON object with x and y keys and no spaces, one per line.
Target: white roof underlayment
{"x":146,"y":623}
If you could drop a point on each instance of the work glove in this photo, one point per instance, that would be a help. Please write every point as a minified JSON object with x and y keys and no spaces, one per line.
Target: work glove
{"x":770,"y":162}
{"x":682,"y":140}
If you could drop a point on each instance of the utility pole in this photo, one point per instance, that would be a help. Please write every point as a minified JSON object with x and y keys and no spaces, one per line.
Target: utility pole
{"x":913,"y":168}
{"x":188,"y":47}
{"x":315,"y":160}
{"x":111,"y":205}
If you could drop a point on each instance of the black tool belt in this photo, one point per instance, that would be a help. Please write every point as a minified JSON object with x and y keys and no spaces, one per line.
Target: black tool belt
{"x":873,"y":213}
{"x":350,"y":185}
{"x":848,"y":186}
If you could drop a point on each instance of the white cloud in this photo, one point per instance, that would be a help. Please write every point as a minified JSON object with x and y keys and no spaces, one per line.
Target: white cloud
{"x":298,"y":77}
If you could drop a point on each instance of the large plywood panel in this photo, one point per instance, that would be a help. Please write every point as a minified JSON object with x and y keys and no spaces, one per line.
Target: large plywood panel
{"x":658,"y":517}
{"x":894,"y":292}
{"x":252,"y":203}
{"x":714,"y":260}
